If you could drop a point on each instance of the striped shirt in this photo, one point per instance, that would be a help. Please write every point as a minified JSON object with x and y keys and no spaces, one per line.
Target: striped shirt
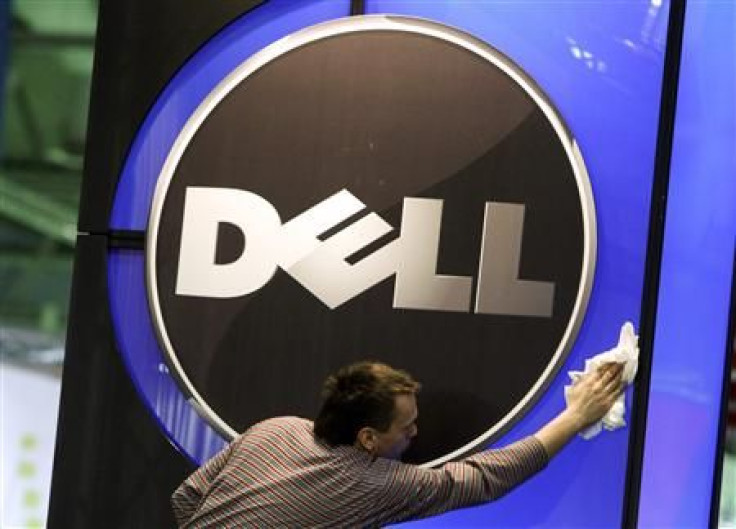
{"x":277,"y":474}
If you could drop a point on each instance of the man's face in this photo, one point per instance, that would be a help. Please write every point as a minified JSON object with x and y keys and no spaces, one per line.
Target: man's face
{"x":394,"y":441}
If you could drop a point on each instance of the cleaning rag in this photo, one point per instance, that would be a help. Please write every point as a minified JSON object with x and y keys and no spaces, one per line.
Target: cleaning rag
{"x":626,"y":353}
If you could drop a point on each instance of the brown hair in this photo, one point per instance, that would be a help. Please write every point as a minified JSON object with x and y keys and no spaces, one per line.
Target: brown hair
{"x":357,"y":396}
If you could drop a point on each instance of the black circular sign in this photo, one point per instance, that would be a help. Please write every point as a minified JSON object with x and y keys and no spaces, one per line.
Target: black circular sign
{"x":381,"y":188}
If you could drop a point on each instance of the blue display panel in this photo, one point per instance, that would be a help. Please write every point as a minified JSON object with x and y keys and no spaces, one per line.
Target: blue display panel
{"x":601,"y":64}
{"x":690,"y":342}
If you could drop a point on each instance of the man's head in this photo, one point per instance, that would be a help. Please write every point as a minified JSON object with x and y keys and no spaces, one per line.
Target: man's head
{"x":371,"y":406}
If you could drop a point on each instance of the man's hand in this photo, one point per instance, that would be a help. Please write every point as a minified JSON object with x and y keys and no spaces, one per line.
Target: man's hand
{"x":593,"y":395}
{"x":588,"y":401}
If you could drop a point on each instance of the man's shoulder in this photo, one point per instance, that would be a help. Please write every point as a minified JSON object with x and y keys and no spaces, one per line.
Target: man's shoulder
{"x":283,"y":425}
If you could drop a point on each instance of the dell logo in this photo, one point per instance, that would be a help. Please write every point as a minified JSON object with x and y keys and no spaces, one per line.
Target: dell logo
{"x":321,"y":266}
{"x":380,"y":187}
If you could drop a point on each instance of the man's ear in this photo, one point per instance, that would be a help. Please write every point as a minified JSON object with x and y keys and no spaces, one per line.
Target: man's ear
{"x":366,"y":439}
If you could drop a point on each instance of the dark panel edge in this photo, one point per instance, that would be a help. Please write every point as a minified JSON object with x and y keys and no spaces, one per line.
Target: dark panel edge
{"x":725,"y":393}
{"x":658,"y":208}
{"x":86,"y":220}
{"x":130,"y":239}
{"x":357,"y":7}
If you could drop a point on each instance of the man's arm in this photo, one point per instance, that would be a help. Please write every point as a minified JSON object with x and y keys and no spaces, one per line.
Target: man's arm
{"x":491,"y":474}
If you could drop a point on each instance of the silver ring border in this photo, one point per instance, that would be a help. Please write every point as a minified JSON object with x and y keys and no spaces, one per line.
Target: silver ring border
{"x":357,"y":24}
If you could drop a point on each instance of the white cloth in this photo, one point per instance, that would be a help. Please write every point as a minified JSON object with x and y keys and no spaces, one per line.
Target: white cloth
{"x":626,"y":353}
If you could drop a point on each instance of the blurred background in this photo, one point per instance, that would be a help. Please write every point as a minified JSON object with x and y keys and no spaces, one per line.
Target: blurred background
{"x":46,"y":58}
{"x":46,"y":52}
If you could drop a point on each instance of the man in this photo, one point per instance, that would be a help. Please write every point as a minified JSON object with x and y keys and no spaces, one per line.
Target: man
{"x":343,"y":470}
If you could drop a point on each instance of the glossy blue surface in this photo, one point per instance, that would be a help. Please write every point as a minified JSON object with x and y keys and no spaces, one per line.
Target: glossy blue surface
{"x":601,"y":64}
{"x":136,"y":339}
{"x":690,"y":347}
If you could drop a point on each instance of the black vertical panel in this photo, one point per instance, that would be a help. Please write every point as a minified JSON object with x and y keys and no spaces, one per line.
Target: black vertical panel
{"x":140,"y":45}
{"x":655,"y":242}
{"x":113,"y":466}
